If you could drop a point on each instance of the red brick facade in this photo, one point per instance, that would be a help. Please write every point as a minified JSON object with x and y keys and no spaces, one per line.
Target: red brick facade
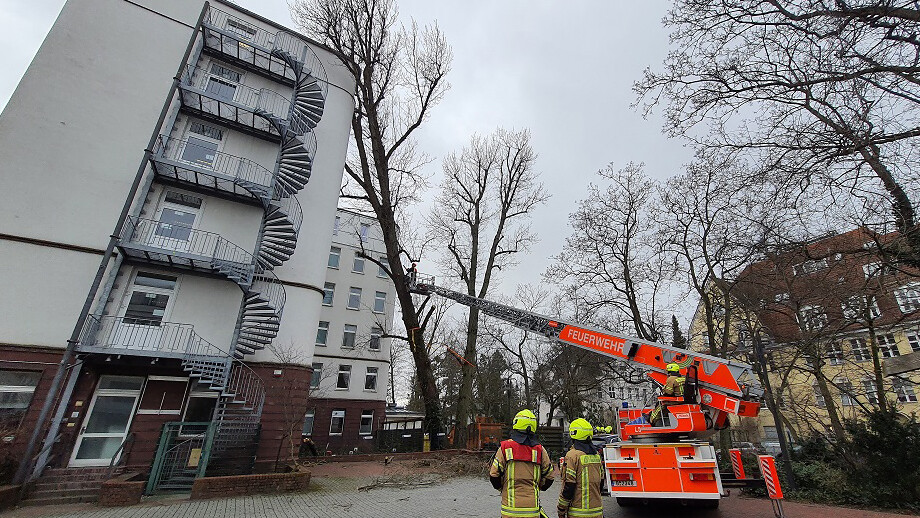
{"x":350,"y":438}
{"x":286,"y":401}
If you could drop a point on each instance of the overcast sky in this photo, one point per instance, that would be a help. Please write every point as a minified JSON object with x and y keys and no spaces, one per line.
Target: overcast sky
{"x":563,"y":70}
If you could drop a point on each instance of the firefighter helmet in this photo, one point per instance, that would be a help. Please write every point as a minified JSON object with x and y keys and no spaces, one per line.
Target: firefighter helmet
{"x":525,"y":421}
{"x":673,"y":368}
{"x":581,"y":430}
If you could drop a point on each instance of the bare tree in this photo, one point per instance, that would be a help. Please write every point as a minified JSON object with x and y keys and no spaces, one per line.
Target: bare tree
{"x":823,"y":93}
{"x":400,"y":74}
{"x":612,"y":259}
{"x":481,"y":220}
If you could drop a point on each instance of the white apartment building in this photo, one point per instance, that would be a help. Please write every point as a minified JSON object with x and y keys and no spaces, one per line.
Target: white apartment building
{"x":351,"y":361}
{"x":171,"y":171}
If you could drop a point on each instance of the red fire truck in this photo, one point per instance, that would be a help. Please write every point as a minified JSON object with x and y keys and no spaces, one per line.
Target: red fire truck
{"x":671,"y":459}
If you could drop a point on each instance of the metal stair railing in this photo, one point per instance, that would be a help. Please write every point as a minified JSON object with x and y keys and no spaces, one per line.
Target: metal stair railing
{"x":244,"y":172}
{"x":304,"y":54}
{"x":284,"y":198}
{"x":224,"y":256}
{"x":269,"y":287}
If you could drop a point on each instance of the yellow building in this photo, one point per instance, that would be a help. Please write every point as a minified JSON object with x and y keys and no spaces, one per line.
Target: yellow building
{"x":828,"y":316}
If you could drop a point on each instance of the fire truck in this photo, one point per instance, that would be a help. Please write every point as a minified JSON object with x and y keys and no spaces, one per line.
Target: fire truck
{"x":668,"y":460}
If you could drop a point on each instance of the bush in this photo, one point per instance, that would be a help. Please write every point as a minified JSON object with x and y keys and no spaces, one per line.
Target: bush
{"x":877,"y":465}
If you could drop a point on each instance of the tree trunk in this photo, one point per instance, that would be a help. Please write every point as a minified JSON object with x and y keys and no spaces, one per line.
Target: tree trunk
{"x":830,"y":405}
{"x":878,"y":376}
{"x":465,"y":398}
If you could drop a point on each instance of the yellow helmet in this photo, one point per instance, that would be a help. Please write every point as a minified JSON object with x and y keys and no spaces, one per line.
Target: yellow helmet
{"x":673,"y":367}
{"x":525,"y":421}
{"x":581,"y":430}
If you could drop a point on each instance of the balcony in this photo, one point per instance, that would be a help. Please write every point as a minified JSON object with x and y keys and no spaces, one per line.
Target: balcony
{"x":180,"y":246}
{"x":244,"y":45}
{"x":201,"y":168}
{"x":212,"y":95}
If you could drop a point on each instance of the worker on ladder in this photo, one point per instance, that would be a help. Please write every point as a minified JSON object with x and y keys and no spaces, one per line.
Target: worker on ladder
{"x":673,"y":387}
{"x":582,"y":475}
{"x":521,"y":469}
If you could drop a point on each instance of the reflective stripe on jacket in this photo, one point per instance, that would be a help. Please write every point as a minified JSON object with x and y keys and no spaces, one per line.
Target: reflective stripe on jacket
{"x":585,"y":471}
{"x":521,"y":479}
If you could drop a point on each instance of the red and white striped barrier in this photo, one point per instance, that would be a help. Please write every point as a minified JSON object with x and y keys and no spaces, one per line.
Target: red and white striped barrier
{"x":737,"y":466}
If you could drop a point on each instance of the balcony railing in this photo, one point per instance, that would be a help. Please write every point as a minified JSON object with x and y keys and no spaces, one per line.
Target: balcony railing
{"x":211,"y":94}
{"x":301,"y":50}
{"x":126,"y":335}
{"x":185,"y":246}
{"x":185,"y":161}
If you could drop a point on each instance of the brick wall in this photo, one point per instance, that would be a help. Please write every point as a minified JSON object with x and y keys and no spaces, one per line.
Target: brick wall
{"x":40,"y":359}
{"x":239,"y":485}
{"x":350,"y":438}
{"x":286,"y":397}
{"x":121,"y":491}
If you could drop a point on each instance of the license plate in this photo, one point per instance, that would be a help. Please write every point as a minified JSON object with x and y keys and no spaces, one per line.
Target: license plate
{"x":624,"y":483}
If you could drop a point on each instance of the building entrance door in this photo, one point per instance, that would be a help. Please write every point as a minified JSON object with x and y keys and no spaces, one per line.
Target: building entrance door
{"x":107,"y":420}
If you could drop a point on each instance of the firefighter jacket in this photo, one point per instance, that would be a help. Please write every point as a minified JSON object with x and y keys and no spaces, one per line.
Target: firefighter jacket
{"x":674,"y":386}
{"x":521,"y":471}
{"x":582,"y":476}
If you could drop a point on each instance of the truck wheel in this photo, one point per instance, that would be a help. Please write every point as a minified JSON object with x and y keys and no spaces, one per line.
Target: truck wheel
{"x":627,"y":502}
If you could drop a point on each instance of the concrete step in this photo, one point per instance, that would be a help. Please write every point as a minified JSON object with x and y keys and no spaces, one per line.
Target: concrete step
{"x":58,"y":500}
{"x":43,"y":485}
{"x":44,"y":494}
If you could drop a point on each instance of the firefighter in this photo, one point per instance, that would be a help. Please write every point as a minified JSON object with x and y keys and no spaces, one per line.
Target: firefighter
{"x":582,"y":476}
{"x":673,"y":386}
{"x":412,"y":273}
{"x":521,"y":469}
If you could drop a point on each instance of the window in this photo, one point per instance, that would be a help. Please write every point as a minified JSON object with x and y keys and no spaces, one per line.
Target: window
{"x":812,"y":318}
{"x":376,"y":333}
{"x":770,"y":433}
{"x":344,"y":377}
{"x":877,"y":269}
{"x":336,"y":226}
{"x":223,"y":82}
{"x":334,"y":254}
{"x":149,"y":298}
{"x":349,"y":337}
{"x":807,"y":267}
{"x":206,"y":131}
{"x":354,"y":298}
{"x":854,"y":308}
{"x":200,"y":405}
{"x":611,"y":392}
{"x":370,"y":379}
{"x":338,"y":422}
{"x":860,"y":350}
{"x":358,"y":266}
{"x":914,"y":341}
{"x":905,"y":390}
{"x":380,"y":301}
{"x":328,"y":293}
{"x":367,"y":422}
{"x":381,"y":272}
{"x":869,"y":388}
{"x":364,"y":229}
{"x":819,"y":397}
{"x":908,"y":297}
{"x":887,"y":346}
{"x":846,"y":391}
{"x":16,"y":390}
{"x":835,"y":353}
{"x":241,"y":29}
{"x":317,"y":375}
{"x":308,"y":422}
{"x":322,"y":333}
{"x":199,"y":152}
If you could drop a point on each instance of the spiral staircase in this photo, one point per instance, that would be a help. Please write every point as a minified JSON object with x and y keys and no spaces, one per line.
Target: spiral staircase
{"x":268,"y":115}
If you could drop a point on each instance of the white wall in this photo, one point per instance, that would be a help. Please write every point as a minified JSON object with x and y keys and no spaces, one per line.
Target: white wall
{"x":319,"y":200}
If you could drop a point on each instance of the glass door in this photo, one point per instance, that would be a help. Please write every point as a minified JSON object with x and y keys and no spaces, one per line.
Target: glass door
{"x":107,"y":420}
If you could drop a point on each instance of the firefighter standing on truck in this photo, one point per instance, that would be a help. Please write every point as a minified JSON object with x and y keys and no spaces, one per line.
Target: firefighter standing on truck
{"x":673,"y":386}
{"x":582,"y":475}
{"x":521,"y":469}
